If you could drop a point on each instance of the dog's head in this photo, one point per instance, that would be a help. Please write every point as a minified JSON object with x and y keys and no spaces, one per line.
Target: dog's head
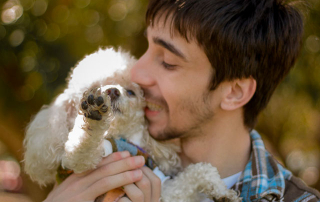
{"x":126,"y":103}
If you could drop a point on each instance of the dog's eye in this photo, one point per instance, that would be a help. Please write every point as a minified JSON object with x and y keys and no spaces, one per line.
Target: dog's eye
{"x":130,"y":93}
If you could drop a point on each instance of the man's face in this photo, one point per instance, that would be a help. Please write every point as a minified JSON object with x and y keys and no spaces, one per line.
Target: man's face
{"x":175,"y":76}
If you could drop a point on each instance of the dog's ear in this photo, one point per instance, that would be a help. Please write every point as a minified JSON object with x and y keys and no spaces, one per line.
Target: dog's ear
{"x":237,"y":93}
{"x":165,"y":154}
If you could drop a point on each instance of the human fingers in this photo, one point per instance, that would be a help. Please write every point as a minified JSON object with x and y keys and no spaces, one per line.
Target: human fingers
{"x":113,"y":168}
{"x":116,"y":156}
{"x":133,"y":193}
{"x":76,"y":183}
{"x":111,"y":182}
{"x":140,"y":191}
{"x":109,"y":159}
{"x":155,"y":183}
{"x":124,"y":199}
{"x":148,"y":189}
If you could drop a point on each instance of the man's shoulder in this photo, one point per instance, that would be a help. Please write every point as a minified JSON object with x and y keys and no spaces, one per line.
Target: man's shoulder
{"x":265,"y":179}
{"x":296,"y":190}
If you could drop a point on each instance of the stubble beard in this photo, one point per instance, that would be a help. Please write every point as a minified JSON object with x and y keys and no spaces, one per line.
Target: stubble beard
{"x":199,"y":114}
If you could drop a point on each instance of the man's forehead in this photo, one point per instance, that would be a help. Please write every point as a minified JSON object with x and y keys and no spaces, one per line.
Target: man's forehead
{"x":165,"y":42}
{"x":168,"y":31}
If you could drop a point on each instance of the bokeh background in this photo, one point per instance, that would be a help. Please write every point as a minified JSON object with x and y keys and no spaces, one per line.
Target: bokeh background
{"x":40,"y":40}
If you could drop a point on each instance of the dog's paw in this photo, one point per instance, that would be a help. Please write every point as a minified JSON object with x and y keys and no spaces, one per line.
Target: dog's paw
{"x":94,"y":104}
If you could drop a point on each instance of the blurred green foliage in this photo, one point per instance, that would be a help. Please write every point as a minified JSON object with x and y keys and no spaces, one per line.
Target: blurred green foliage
{"x":40,"y":40}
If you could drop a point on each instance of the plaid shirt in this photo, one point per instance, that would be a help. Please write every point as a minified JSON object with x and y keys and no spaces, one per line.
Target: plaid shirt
{"x":264,"y":179}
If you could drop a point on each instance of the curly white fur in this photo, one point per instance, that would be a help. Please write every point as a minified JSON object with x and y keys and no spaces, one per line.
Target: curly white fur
{"x":198,"y":178}
{"x":58,"y":133}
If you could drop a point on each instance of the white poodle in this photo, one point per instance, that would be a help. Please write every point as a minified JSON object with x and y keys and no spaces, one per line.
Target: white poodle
{"x":101,"y":104}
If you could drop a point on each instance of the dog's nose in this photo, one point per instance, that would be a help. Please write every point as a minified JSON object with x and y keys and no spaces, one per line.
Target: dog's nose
{"x":114,"y":93}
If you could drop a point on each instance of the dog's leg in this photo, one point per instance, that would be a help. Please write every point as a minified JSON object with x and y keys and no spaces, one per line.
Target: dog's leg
{"x":84,"y":148}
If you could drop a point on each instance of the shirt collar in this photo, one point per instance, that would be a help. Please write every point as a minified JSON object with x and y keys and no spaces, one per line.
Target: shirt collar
{"x":263,"y":175}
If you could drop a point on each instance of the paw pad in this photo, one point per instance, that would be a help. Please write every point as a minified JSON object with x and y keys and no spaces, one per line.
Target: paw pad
{"x":91,"y":99}
{"x":99,"y":101}
{"x":94,"y":104}
{"x":94,"y":115}
{"x":84,"y":105}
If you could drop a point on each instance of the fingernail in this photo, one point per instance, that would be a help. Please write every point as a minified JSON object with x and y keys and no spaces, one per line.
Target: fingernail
{"x":139,"y":160}
{"x":125,"y":154}
{"x":137,"y":174}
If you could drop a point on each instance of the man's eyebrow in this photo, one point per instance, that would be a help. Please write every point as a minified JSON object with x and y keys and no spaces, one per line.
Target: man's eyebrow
{"x":169,"y":47}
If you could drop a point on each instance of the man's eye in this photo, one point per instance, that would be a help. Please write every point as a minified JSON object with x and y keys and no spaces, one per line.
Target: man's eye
{"x":130,"y":93}
{"x":168,"y":66}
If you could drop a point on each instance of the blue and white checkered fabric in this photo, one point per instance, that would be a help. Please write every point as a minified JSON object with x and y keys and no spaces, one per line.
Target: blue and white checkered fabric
{"x":263,"y":176}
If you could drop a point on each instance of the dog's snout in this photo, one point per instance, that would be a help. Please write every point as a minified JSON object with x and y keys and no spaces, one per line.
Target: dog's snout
{"x":114,"y":93}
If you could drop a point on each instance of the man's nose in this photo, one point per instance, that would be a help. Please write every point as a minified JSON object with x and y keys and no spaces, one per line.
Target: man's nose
{"x":142,"y":72}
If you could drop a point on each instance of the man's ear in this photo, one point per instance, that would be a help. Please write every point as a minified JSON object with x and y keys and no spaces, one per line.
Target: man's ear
{"x":237,"y":93}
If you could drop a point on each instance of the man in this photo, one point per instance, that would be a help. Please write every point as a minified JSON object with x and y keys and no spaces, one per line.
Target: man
{"x":210,"y":68}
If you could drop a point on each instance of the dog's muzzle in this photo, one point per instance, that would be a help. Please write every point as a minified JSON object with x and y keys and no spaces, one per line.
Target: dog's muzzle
{"x":113,"y":93}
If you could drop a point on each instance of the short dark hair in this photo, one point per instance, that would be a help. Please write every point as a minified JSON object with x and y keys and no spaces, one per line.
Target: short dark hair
{"x":241,"y":38}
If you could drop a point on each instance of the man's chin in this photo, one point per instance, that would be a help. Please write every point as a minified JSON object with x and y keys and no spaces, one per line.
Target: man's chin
{"x":156,"y":135}
{"x":166,"y":134}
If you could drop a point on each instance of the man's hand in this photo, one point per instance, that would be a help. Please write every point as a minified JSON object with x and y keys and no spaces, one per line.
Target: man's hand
{"x":148,"y":189}
{"x":116,"y":170}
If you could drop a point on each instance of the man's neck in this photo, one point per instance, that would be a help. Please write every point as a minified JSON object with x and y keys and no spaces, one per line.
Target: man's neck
{"x":226,"y":145}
